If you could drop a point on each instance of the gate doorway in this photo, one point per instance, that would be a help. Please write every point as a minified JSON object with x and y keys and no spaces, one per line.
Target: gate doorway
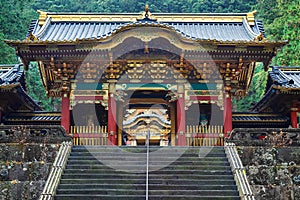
{"x":144,"y":114}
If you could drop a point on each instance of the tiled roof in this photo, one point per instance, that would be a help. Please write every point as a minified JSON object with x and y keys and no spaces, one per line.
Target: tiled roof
{"x":283,"y":86}
{"x":10,"y":74}
{"x":71,"y":27}
{"x":257,"y":117}
{"x":72,"y":31}
{"x":33,"y":118}
{"x":12,"y":78}
{"x":285,"y":77}
{"x":265,"y":120}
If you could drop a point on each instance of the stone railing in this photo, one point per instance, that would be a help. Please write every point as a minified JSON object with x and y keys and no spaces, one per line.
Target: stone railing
{"x":239,"y":172}
{"x":56,"y":171}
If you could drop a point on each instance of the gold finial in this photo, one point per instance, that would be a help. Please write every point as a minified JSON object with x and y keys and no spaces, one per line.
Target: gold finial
{"x":146,"y":8}
{"x":146,"y":15}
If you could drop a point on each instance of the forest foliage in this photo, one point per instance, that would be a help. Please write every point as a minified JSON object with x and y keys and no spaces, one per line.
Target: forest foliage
{"x":280,"y":18}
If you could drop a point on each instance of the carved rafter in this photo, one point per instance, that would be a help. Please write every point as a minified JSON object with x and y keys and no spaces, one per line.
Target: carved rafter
{"x":237,"y":76}
{"x":57,"y":76}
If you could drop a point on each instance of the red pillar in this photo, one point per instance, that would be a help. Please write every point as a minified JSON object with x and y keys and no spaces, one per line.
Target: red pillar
{"x":65,"y":112}
{"x":180,"y":122}
{"x":112,"y":125}
{"x":227,"y":114}
{"x":294,"y":120}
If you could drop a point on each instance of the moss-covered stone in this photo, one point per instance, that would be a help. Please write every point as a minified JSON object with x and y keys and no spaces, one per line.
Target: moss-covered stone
{"x":26,"y":157}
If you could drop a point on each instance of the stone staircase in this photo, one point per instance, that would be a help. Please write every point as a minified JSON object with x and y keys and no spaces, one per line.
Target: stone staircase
{"x":106,"y":172}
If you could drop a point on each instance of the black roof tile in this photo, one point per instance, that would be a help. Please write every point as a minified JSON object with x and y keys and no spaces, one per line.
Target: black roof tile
{"x":281,"y":81}
{"x":74,"y":30}
{"x":12,"y":76}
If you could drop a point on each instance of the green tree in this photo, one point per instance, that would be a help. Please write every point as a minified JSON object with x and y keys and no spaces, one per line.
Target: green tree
{"x":281,"y":22}
{"x":7,"y":54}
{"x":15,"y":18}
{"x":289,"y":25}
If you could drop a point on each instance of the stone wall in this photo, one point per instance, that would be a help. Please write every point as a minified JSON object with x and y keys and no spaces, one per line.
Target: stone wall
{"x":26,"y":157}
{"x":272,"y":161}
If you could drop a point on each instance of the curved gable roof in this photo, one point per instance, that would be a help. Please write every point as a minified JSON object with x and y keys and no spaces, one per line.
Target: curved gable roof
{"x":285,"y":77}
{"x":12,"y":89}
{"x":74,"y":27}
{"x":69,"y":31}
{"x":283,"y":85}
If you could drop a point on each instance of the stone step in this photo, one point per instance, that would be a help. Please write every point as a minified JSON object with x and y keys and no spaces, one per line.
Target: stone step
{"x":205,"y":160}
{"x":104,"y":165}
{"x":100,"y":151}
{"x":169,"y":192}
{"x":170,"y":156}
{"x":138,"y":157}
{"x":142,"y":176}
{"x":153,"y":169}
{"x":109,"y":172}
{"x":153,"y":162}
{"x":151,"y":186}
{"x":141,"y":197}
{"x":132,"y":167}
{"x":144,"y":155}
{"x":159,"y":171}
{"x":143,"y":181}
{"x":144,"y":148}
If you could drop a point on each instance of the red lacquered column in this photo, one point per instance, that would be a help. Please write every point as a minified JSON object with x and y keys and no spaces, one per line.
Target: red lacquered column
{"x":180,"y":122}
{"x":227,"y":114}
{"x":65,"y":112}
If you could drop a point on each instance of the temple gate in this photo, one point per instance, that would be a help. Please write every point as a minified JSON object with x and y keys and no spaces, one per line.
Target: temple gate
{"x":119,"y":75}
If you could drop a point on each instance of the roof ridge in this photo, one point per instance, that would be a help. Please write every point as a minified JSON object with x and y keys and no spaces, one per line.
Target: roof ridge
{"x":250,"y":32}
{"x":131,"y":17}
{"x":41,"y":32}
{"x":156,"y":13}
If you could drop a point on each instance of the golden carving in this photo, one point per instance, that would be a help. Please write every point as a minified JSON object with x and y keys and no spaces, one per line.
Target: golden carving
{"x":137,"y":123}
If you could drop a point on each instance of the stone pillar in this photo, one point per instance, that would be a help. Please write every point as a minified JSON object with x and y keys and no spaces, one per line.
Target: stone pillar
{"x":65,"y":112}
{"x":227,"y":114}
{"x":294,"y":119}
{"x":112,"y":113}
{"x":180,"y":113}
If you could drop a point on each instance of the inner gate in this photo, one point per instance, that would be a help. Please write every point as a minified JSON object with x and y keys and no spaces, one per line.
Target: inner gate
{"x":141,"y":120}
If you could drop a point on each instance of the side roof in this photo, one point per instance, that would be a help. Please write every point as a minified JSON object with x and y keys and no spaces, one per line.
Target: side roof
{"x":284,"y":78}
{"x":72,"y":27}
{"x":11,"y":76}
{"x":259,"y":120}
{"x":283,"y":86}
{"x":12,"y":90}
